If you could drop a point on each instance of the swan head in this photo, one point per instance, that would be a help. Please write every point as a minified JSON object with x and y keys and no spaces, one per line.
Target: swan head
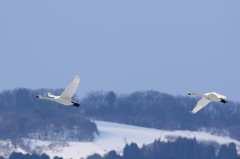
{"x":39,"y":96}
{"x":190,"y":93}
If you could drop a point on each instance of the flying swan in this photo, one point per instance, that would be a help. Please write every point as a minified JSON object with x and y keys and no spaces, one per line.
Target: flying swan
{"x":207,"y":97}
{"x":66,"y":96}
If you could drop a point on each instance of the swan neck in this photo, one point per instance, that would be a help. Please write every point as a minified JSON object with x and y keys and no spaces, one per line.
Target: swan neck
{"x":47,"y":98}
{"x":198,"y":94}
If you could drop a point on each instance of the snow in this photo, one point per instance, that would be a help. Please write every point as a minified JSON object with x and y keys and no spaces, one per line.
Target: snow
{"x":114,"y":136}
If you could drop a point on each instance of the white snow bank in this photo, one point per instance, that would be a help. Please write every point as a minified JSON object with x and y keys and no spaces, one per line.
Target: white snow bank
{"x":114,"y":136}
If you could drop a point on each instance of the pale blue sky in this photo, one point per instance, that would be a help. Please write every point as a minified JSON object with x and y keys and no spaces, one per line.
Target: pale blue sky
{"x":173,"y":46}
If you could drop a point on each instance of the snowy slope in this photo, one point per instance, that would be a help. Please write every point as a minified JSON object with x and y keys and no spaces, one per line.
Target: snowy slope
{"x":114,"y":136}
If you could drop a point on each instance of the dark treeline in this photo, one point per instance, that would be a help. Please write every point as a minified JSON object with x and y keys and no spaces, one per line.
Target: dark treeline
{"x":182,"y":148}
{"x":21,"y":114}
{"x":163,"y":111}
{"x":18,"y":155}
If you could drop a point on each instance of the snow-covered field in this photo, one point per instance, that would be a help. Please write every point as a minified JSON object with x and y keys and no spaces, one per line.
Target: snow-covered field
{"x":114,"y":136}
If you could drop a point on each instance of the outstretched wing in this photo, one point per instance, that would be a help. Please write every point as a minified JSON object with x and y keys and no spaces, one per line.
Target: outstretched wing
{"x":71,"y":89}
{"x":200,"y":104}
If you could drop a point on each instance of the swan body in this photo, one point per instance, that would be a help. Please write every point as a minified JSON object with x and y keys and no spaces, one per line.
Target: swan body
{"x":207,"y":98}
{"x":66,"y":97}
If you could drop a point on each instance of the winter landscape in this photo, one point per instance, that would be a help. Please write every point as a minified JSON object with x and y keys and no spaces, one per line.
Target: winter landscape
{"x":115,"y":136}
{"x":114,"y":123}
{"x":119,"y":79}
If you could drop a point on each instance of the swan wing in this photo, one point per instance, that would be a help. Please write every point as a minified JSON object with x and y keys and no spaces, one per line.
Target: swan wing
{"x":51,"y":95}
{"x":200,"y":104}
{"x":71,"y":89}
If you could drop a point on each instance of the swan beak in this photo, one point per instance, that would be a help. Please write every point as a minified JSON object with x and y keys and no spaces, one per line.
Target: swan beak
{"x":37,"y":96}
{"x":189,"y":93}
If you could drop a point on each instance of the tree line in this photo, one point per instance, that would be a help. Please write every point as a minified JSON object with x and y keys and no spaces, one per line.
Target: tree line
{"x":182,"y":148}
{"x":21,"y":112}
{"x":19,"y":155}
{"x":163,"y":111}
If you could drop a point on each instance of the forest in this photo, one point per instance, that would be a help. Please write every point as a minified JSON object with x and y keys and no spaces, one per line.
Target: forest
{"x":159,"y":110}
{"x":182,"y":148}
{"x":21,"y":112}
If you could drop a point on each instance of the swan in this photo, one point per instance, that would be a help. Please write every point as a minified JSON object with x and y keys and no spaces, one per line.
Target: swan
{"x":65,"y":97}
{"x":207,"y":97}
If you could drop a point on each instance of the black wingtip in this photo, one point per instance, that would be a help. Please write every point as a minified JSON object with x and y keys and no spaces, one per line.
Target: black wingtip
{"x":223,"y":101}
{"x":76,"y":104}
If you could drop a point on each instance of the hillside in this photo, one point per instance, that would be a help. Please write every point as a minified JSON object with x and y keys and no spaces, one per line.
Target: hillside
{"x":158,"y":110}
{"x":22,"y":115}
{"x":119,"y":137}
{"x":40,"y":126}
{"x":26,"y":114}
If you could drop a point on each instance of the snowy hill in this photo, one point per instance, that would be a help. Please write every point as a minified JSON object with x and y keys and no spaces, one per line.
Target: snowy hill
{"x":113,"y":136}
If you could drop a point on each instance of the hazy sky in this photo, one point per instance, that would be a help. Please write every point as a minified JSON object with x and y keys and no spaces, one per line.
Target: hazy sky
{"x":172,"y":46}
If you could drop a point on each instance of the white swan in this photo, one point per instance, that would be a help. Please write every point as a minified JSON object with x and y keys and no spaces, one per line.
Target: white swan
{"x":208,"y":97}
{"x":65,"y":97}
